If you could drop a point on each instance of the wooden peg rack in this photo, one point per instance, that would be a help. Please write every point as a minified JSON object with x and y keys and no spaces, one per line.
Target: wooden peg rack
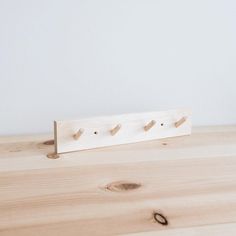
{"x":97,"y":132}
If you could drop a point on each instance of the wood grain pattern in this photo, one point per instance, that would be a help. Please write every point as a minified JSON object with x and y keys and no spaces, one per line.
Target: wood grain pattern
{"x":190,"y":181}
{"x":215,"y":230}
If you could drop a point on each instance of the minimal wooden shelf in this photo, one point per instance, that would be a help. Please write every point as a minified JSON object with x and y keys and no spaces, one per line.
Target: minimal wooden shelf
{"x":175,"y":186}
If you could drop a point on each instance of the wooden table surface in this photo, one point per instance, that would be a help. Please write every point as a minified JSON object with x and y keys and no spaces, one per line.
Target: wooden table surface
{"x":176,"y":186}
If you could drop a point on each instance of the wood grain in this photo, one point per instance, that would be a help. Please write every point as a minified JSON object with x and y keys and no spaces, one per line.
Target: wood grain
{"x":215,"y":230}
{"x":190,"y":181}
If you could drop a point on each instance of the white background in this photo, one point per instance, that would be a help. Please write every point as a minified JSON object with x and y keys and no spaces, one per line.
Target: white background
{"x":70,"y":59}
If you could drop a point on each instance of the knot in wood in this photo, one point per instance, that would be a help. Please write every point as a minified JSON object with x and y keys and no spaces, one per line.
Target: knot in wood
{"x":53,"y":155}
{"x":121,"y":186}
{"x":49,"y":142}
{"x":159,"y":218}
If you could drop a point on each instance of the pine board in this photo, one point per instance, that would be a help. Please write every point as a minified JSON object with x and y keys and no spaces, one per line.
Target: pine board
{"x":190,"y":180}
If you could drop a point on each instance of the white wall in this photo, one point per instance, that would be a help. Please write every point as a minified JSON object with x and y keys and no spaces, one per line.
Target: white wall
{"x":65,"y":59}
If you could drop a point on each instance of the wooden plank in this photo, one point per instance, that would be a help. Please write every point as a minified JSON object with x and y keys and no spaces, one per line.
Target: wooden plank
{"x":30,"y":152}
{"x":216,"y":230}
{"x":121,"y":129}
{"x":186,"y":193}
{"x":190,"y":180}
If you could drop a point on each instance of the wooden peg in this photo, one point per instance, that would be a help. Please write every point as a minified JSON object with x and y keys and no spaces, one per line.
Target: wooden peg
{"x":115,"y":129}
{"x":78,"y":134}
{"x":149,"y":125}
{"x":180,"y":122}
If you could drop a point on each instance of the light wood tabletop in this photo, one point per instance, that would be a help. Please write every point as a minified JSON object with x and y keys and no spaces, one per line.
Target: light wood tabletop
{"x":176,"y":186}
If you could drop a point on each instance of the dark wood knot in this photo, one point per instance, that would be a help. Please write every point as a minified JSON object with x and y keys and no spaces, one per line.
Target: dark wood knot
{"x":120,"y":186}
{"x":159,"y":218}
{"x":53,"y":155}
{"x":49,"y":142}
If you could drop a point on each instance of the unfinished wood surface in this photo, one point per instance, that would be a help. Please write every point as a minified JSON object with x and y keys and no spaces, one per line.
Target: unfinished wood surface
{"x":120,"y":129}
{"x":211,"y":230}
{"x":188,"y":181}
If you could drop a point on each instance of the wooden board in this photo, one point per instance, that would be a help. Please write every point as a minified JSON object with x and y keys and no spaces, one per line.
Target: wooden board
{"x":120,"y":129}
{"x":211,"y":230}
{"x":189,"y":180}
